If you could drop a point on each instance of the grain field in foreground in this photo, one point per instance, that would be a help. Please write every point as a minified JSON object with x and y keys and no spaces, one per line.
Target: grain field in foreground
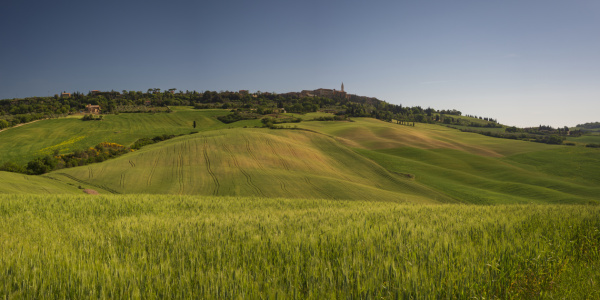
{"x":153,"y":246}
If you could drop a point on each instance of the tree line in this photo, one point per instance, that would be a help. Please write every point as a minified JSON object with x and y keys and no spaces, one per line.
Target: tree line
{"x":15,"y":111}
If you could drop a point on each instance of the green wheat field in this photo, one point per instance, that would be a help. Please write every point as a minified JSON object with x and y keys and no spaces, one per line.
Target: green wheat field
{"x":141,"y":246}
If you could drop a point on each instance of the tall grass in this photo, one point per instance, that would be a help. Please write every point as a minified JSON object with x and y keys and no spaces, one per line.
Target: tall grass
{"x":140,"y":246}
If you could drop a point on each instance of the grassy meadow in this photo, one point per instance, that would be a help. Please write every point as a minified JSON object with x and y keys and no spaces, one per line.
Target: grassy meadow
{"x":472,"y":168}
{"x":585,"y":139}
{"x":151,"y":246}
{"x":24,"y":143}
{"x":362,"y":159}
{"x":15,"y":183}
{"x":250,"y":162}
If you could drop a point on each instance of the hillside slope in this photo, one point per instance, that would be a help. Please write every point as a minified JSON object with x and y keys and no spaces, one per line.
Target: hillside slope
{"x":24,"y":143}
{"x":14,"y":183}
{"x":363,"y":159}
{"x":474,"y":168}
{"x":251,"y":162}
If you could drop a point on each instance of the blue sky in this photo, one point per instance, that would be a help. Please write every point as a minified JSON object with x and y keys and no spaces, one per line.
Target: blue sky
{"x":524,"y":62}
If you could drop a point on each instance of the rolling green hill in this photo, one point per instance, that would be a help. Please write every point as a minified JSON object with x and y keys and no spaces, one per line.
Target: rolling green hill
{"x":14,"y":183}
{"x":24,"y":143}
{"x":586,"y":139}
{"x":360,"y":159}
{"x":475,"y":168}
{"x":251,"y":162}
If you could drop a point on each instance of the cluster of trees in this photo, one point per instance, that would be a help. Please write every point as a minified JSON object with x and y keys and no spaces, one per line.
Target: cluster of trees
{"x":451,"y":112}
{"x":270,"y":122}
{"x":546,"y":139}
{"x":90,"y":117}
{"x":331,"y":118}
{"x":589,"y":127}
{"x":237,"y":115}
{"x":147,"y":141}
{"x":594,"y":125}
{"x":41,"y":165}
{"x":483,"y":118}
{"x":16,"y":111}
{"x":545,"y":130}
{"x":13,"y":120}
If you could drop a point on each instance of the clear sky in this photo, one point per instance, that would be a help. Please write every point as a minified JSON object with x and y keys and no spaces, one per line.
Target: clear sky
{"x":523,"y":62}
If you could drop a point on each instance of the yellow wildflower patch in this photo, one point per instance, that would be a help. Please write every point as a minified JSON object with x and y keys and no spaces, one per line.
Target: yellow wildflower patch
{"x":61,"y":146}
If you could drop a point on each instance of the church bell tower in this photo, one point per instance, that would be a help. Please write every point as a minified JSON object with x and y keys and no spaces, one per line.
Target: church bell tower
{"x":342,"y":86}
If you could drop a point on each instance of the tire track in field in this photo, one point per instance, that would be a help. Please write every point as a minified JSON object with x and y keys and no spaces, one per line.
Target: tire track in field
{"x":176,"y":168}
{"x":180,"y":169}
{"x":149,"y":181}
{"x":132,"y":164}
{"x":283,"y":162}
{"x":249,"y":150}
{"x":99,"y":186}
{"x":122,"y":181}
{"x":334,"y":170}
{"x":318,"y":189}
{"x":187,"y":155}
{"x":282,"y":186}
{"x":306,"y":161}
{"x":90,"y":172}
{"x":248,"y":177}
{"x":210,"y":172}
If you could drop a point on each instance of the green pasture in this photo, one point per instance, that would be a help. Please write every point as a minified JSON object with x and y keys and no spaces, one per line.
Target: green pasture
{"x":571,"y":164}
{"x":589,"y":130}
{"x":480,"y":129}
{"x":15,"y":183}
{"x":250,"y":162}
{"x":375,"y":134}
{"x":362,"y":159}
{"x":489,"y":180}
{"x":150,"y":246}
{"x":585,"y":139}
{"x":310,"y":116}
{"x":22,"y":144}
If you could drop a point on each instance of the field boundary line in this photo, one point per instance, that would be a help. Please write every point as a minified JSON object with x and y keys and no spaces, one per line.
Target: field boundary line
{"x":318,"y":189}
{"x":210,"y":172}
{"x":283,"y":162}
{"x":252,"y":153}
{"x":248,"y":177}
{"x":102,"y":187}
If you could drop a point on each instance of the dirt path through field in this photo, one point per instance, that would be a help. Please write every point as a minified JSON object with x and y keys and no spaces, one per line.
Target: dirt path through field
{"x":21,"y":124}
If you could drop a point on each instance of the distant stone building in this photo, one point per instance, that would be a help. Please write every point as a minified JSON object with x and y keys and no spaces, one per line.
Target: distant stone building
{"x":290,"y":94}
{"x":65,"y":95}
{"x":328,"y":93}
{"x":92,"y":109}
{"x":307,"y":93}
